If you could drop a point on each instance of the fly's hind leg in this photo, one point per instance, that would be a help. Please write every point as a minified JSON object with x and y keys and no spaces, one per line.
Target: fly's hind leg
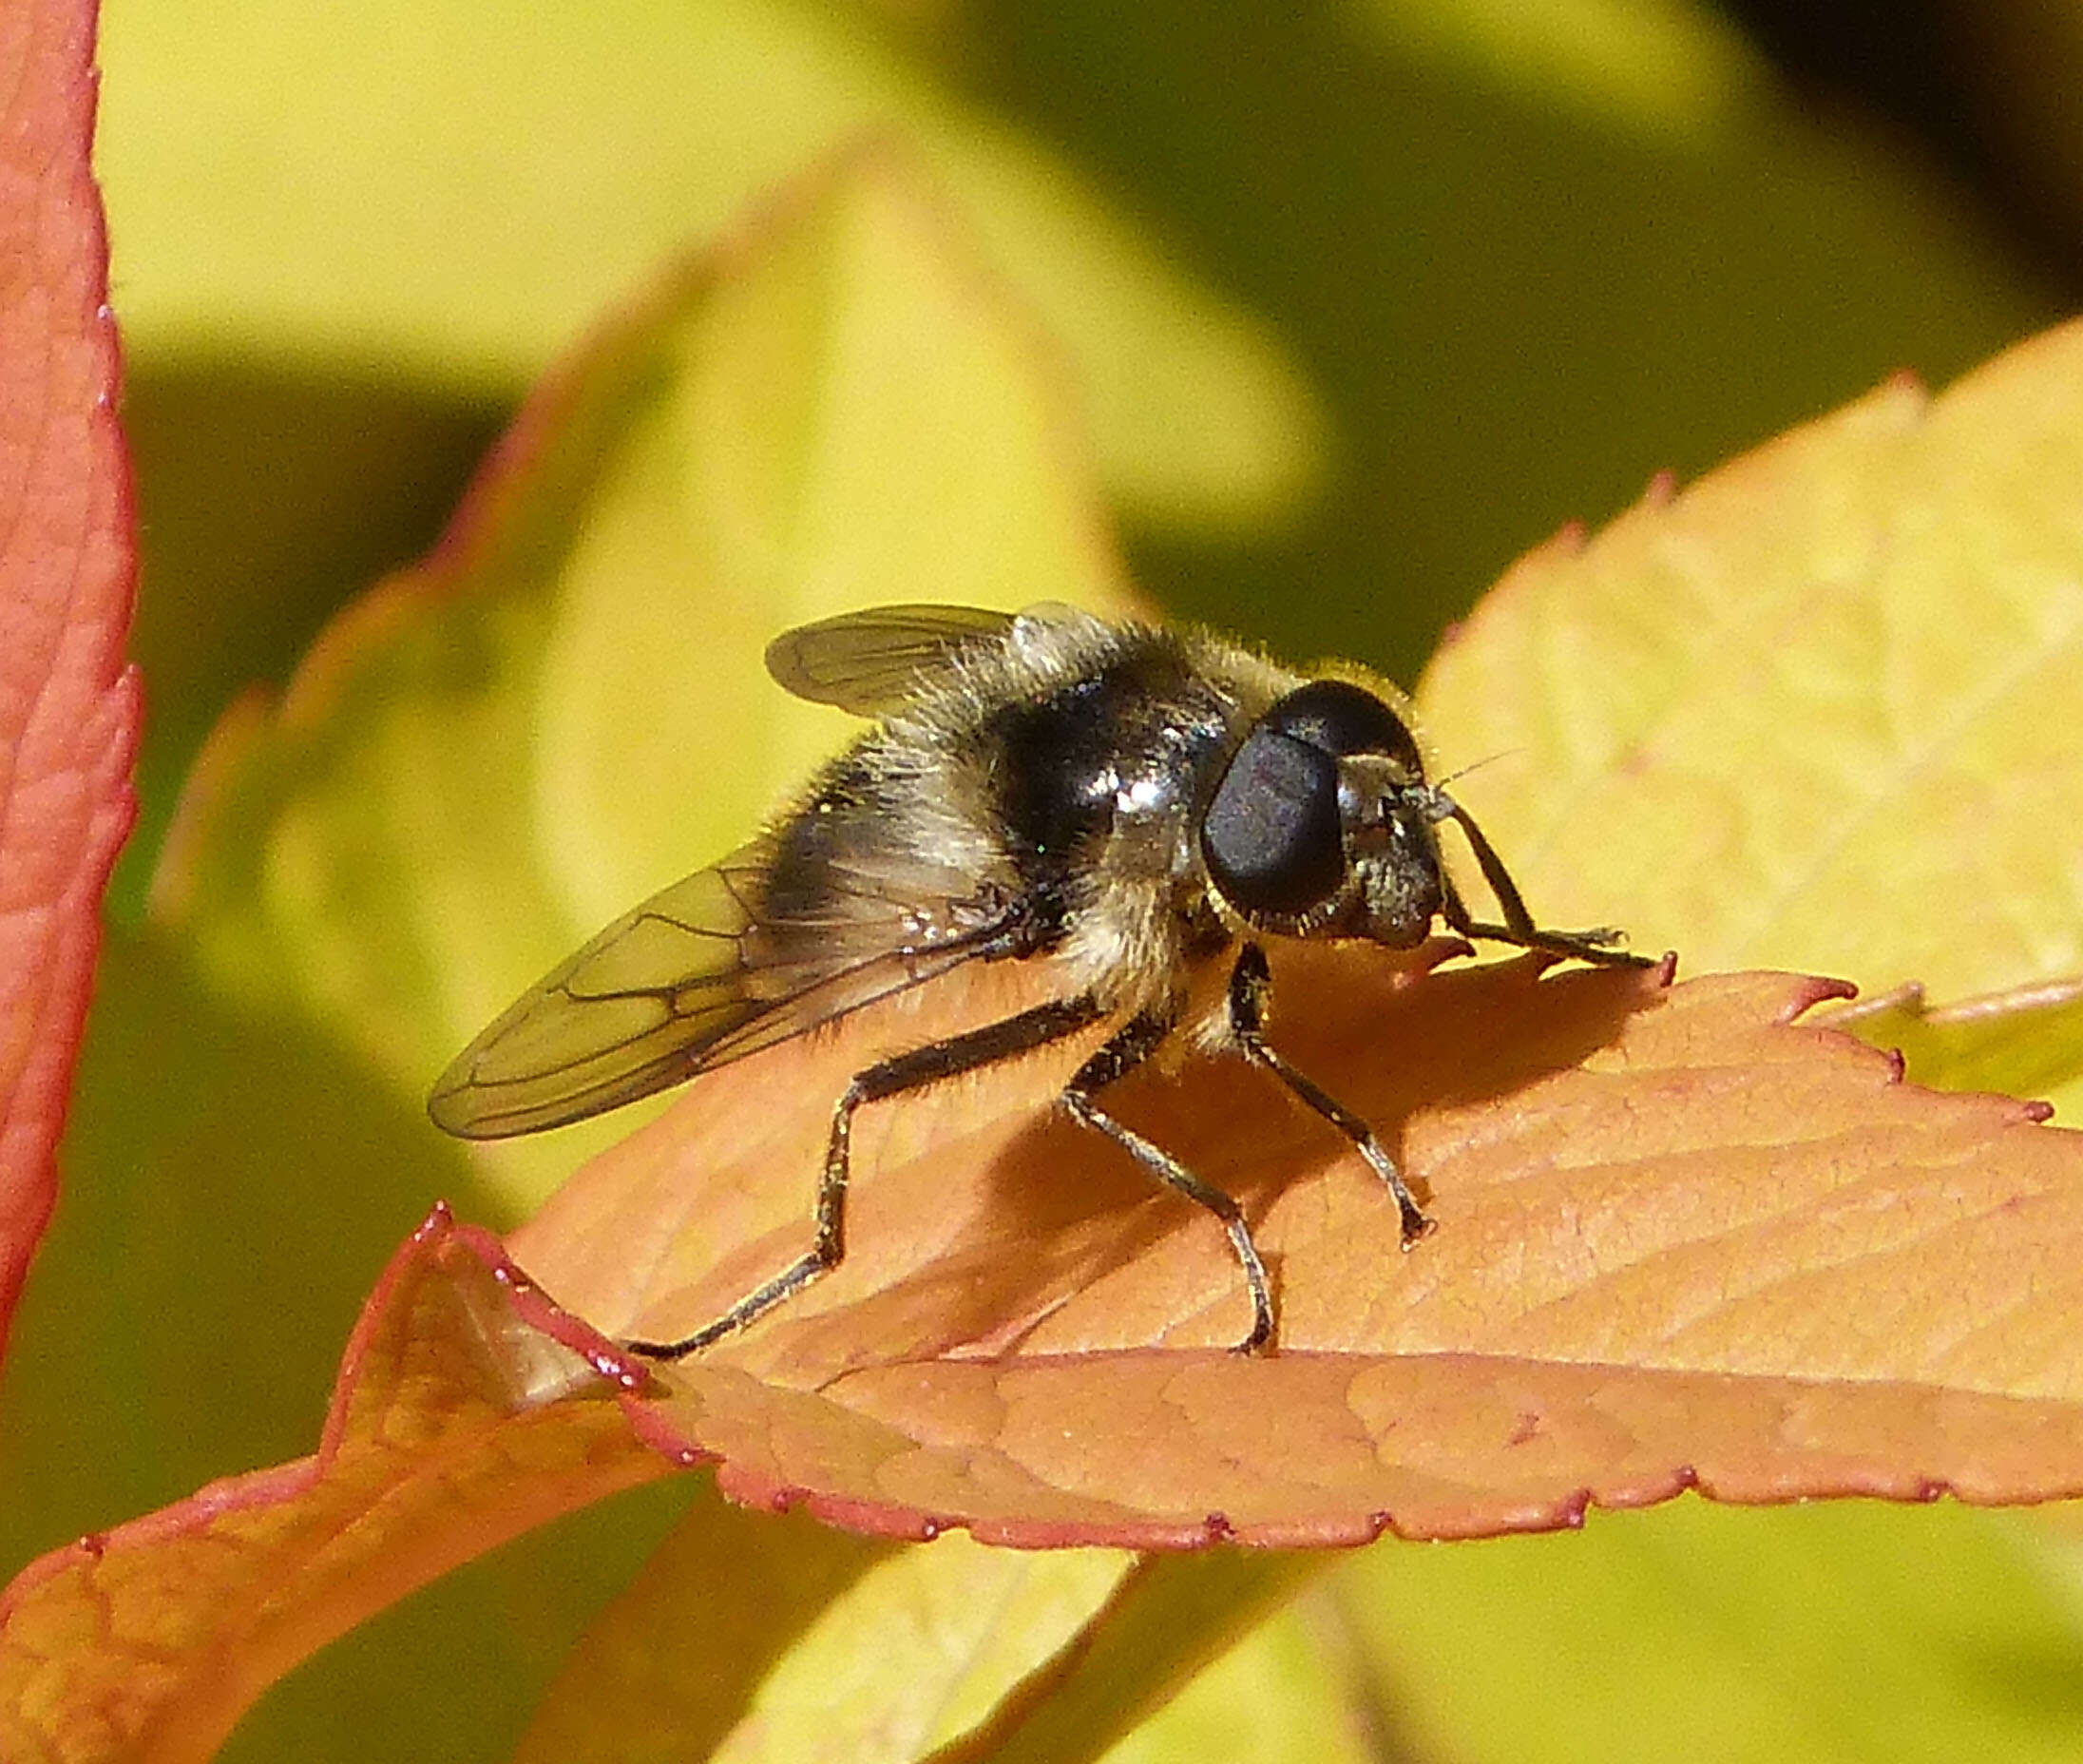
{"x":887,"y":1078}
{"x":1251,"y":982}
{"x":1518,"y":927}
{"x":1122,"y":1055}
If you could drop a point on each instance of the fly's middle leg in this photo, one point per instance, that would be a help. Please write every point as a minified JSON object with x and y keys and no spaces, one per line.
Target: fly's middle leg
{"x":1251,"y":985}
{"x":1122,"y":1055}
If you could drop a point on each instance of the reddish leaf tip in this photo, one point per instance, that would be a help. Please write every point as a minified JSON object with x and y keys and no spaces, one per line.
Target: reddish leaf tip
{"x":1810,"y":990}
{"x":439,"y":1222}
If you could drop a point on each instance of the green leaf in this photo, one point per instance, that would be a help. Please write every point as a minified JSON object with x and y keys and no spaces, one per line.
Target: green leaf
{"x":1280,"y":1696}
{"x":1818,"y":1633}
{"x":827,"y":1648}
{"x":1816,"y":711}
{"x":673,"y":1665}
{"x":2022,"y":1043}
{"x":456,"y":188}
{"x":1167,"y":1619}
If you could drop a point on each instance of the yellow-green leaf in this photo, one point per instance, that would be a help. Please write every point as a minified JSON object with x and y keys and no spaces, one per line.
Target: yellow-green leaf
{"x":563,"y":710}
{"x":1807,"y":1636}
{"x":2022,"y":1042}
{"x":1817,"y":710}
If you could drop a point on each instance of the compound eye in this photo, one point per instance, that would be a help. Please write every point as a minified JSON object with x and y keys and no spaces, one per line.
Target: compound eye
{"x":1271,"y":836}
{"x":1343,"y":718}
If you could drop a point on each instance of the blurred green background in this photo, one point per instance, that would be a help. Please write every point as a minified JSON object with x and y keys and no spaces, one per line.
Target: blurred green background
{"x":1360,"y":300}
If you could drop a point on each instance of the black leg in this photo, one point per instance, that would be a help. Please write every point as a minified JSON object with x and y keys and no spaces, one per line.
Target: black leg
{"x":1518,"y":927}
{"x":1122,"y":1055}
{"x":1251,"y":982}
{"x":904,"y":1071}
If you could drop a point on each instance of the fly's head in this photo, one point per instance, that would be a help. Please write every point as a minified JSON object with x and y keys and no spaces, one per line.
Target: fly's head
{"x":1323,"y":824}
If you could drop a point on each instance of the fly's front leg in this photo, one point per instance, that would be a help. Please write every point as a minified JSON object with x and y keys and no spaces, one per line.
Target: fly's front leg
{"x":1518,"y":927}
{"x":1122,"y":1055}
{"x":1251,"y":985}
{"x":887,"y":1077}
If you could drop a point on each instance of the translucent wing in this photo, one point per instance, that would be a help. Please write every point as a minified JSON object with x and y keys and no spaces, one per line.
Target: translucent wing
{"x":869,"y":663}
{"x":692,"y":979}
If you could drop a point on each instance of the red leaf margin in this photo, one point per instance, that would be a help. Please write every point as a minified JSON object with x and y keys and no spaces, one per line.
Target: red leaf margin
{"x":69,"y":707}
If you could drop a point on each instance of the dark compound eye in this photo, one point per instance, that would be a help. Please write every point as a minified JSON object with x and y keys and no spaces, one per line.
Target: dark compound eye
{"x":1343,"y":718}
{"x":1271,"y":838}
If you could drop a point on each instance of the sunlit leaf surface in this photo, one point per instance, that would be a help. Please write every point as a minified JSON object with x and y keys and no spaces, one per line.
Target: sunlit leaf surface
{"x":1683,"y":1241}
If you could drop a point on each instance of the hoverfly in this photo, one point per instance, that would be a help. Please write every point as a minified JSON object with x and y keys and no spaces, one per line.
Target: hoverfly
{"x":1134,"y":801}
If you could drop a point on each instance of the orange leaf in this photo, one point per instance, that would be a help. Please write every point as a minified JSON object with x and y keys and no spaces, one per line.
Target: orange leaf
{"x":1684,"y":1241}
{"x":68,"y":711}
{"x":445,"y":1437}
